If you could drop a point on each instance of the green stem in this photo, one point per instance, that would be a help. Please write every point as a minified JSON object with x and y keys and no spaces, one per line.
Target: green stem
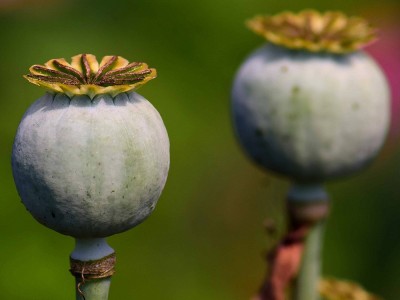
{"x":92,"y":264}
{"x":306,"y":285}
{"x":309,"y":208}
{"x":95,"y":289}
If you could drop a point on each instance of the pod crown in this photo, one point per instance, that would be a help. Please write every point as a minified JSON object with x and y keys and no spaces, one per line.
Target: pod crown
{"x":85,"y":75}
{"x":331,"y":31}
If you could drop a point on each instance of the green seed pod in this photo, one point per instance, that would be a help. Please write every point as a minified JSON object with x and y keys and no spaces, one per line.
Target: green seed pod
{"x":91,"y":158}
{"x":311,"y":106}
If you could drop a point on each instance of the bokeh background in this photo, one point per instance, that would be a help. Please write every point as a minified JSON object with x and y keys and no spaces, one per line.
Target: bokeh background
{"x":206,"y":238}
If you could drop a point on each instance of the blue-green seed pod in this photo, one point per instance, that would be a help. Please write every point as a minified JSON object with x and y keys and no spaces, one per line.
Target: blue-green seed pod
{"x":308,"y":112}
{"x":91,"y":165}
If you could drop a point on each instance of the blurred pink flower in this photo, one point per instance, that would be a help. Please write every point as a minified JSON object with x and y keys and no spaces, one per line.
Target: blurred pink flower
{"x":386,"y":52}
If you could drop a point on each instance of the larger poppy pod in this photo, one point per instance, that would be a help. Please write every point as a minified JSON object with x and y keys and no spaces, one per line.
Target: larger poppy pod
{"x":90,"y":157}
{"x":310,"y":104}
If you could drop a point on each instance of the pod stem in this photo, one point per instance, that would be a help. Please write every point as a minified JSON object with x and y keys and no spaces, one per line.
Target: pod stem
{"x":92,"y":264}
{"x":95,"y":289}
{"x":306,"y":283}
{"x":308,"y":206}
{"x":296,"y":258}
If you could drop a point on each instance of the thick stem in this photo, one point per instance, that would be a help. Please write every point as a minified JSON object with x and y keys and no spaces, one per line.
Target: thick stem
{"x":95,"y":289}
{"x":309,"y":205}
{"x":298,"y":253}
{"x":306,"y":284}
{"x":92,"y":264}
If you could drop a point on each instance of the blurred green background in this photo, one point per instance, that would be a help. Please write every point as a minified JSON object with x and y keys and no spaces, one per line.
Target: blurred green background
{"x":206,"y":238}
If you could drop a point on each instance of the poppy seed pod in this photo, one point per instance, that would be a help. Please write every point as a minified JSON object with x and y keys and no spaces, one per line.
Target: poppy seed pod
{"x":91,"y":157}
{"x":310,"y":105}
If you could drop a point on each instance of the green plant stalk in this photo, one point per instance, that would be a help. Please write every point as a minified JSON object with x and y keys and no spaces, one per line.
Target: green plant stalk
{"x":308,"y":209}
{"x":306,"y":284}
{"x":95,"y":289}
{"x":92,"y":264}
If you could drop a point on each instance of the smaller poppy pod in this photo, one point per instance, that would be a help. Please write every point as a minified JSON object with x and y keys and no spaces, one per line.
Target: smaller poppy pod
{"x":310,"y":104}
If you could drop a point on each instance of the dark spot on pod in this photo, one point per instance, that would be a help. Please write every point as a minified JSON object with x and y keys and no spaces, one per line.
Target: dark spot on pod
{"x":327,"y":145}
{"x":295,"y":89}
{"x":292,"y":116}
{"x":258,"y":132}
{"x":355,"y":106}
{"x":258,"y":160}
{"x":53,"y":214}
{"x":286,"y":137}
